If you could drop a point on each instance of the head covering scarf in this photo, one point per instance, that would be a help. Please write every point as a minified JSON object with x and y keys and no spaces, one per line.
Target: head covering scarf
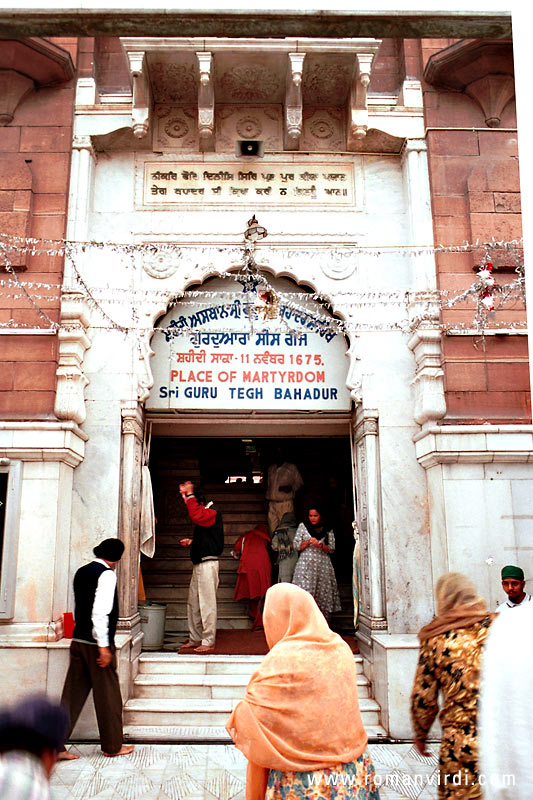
{"x":458,"y":606}
{"x":512,"y":572}
{"x":292,"y":718}
{"x":321,"y":528}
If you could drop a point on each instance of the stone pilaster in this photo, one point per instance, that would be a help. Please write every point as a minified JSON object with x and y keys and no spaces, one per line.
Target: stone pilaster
{"x":368,"y":482}
{"x":129,"y":514}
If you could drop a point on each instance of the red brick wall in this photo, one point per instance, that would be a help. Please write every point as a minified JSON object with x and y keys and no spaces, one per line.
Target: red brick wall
{"x":111,"y":68}
{"x":35,"y":152}
{"x":476,"y":196}
{"x":386,"y":76}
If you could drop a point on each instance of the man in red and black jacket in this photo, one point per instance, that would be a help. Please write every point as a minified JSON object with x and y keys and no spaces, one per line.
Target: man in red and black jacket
{"x":206,"y":545}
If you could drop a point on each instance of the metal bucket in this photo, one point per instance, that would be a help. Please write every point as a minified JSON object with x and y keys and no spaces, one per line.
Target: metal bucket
{"x":153,"y":618}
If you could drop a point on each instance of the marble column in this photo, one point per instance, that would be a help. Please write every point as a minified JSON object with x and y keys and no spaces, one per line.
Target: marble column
{"x":368,"y":484}
{"x":129,"y":515}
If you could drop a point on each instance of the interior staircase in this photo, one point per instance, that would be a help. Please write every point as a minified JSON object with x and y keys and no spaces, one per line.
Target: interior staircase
{"x":167,"y":576}
{"x":189,"y":698}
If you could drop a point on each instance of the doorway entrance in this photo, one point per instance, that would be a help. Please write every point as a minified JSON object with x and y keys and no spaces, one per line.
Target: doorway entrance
{"x":233,"y":474}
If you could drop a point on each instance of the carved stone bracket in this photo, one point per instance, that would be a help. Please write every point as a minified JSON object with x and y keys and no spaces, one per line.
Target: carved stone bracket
{"x":428,"y":383}
{"x":29,"y":63}
{"x":358,"y":110}
{"x":492,"y":93}
{"x":293,"y":122}
{"x":13,"y":88}
{"x":142,"y":99}
{"x":206,"y":102}
{"x":464,"y":67}
{"x":73,"y":342}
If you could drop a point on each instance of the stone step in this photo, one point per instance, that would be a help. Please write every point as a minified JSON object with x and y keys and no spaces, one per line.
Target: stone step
{"x":182,"y":578}
{"x":174,"y":664}
{"x":167,"y":593}
{"x":204,"y":687}
{"x":207,"y":733}
{"x":173,"y":549}
{"x":183,"y":564}
{"x":146,"y":711}
{"x":225,"y":622}
{"x":225,"y":606}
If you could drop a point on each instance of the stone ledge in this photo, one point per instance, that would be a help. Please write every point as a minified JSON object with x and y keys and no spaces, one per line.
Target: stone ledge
{"x":474,"y":444}
{"x":43,"y":441}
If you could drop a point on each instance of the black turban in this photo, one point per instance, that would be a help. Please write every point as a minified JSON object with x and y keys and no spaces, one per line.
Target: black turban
{"x":109,"y":550}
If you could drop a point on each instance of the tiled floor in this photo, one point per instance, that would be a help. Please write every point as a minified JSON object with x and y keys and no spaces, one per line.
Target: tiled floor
{"x":215,"y":772}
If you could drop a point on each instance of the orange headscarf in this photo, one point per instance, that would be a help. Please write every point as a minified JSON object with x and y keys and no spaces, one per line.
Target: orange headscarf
{"x":301,"y":709}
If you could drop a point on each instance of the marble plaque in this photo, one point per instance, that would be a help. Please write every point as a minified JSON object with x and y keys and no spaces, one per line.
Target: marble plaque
{"x":174,"y":183}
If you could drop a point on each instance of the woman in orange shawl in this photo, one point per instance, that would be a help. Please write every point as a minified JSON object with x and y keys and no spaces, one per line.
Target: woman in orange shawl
{"x":299,"y":724}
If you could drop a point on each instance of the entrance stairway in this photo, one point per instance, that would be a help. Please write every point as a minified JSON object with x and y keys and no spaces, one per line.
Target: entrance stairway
{"x":189,"y":698}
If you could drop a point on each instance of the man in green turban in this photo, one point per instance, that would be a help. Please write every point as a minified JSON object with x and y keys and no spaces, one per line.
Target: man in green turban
{"x":513,"y":585}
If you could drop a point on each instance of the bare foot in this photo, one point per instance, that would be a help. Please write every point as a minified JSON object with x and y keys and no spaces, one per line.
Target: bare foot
{"x":203,"y":650}
{"x":124,"y":751}
{"x":65,"y":755}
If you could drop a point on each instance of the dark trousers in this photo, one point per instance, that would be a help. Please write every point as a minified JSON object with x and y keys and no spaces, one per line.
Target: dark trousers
{"x":83,"y":675}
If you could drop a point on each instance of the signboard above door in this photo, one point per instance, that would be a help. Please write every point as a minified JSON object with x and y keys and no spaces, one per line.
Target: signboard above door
{"x":232,"y":351}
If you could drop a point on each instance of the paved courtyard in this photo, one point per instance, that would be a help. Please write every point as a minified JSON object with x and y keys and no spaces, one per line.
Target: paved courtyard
{"x":215,"y":772}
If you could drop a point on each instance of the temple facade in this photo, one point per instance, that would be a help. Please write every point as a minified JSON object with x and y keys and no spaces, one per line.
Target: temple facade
{"x":211,"y":247}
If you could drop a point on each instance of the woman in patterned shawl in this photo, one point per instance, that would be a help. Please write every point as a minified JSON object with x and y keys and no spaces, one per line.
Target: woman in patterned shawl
{"x":314,"y":571}
{"x":449,"y":662}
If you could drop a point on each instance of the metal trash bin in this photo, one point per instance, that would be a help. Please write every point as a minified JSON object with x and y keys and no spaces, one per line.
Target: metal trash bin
{"x":153,"y":618}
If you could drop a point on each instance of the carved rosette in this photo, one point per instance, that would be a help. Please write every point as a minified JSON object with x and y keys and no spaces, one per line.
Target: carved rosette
{"x":339,"y":265}
{"x":175,"y":128}
{"x":256,"y":122}
{"x":160,"y":265}
{"x":73,"y":342}
{"x":322,"y":129}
